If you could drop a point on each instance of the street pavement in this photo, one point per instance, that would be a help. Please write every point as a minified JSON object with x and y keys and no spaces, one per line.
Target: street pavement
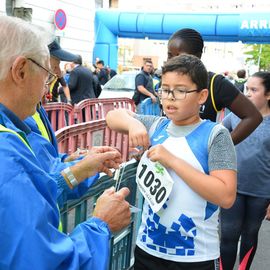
{"x":262,"y":257}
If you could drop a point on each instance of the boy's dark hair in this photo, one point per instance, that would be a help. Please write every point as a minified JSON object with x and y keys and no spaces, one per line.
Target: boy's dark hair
{"x":191,"y":41}
{"x":265,"y":77}
{"x":241,"y":73}
{"x":100,"y":62}
{"x":188,"y":65}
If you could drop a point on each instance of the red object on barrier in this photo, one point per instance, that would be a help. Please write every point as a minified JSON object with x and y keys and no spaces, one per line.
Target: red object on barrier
{"x":88,"y":134}
{"x":60,"y":114}
{"x":97,"y":108}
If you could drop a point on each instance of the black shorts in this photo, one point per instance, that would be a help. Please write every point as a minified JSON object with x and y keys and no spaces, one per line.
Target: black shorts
{"x":145,"y":261}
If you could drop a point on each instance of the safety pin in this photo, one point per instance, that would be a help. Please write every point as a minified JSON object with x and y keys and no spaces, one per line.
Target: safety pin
{"x":118,"y":175}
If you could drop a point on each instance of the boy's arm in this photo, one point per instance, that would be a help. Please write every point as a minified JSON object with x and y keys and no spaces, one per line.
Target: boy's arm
{"x":123,"y":121}
{"x":219,"y":187}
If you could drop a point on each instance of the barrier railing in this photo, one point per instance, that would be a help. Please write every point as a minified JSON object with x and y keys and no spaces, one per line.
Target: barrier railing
{"x":93,"y":133}
{"x":63,"y":114}
{"x":60,"y":114}
{"x":150,"y":108}
{"x":93,"y":109}
{"x":77,"y":211}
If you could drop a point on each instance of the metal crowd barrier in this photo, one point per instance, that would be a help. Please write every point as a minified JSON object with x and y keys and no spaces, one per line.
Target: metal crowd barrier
{"x":97,"y":108}
{"x":150,"y":108}
{"x":93,"y":133}
{"x":62,"y":114}
{"x":77,"y":211}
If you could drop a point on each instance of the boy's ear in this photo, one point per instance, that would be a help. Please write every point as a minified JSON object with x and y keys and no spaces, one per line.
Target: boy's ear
{"x":203,"y":96}
{"x":267,"y":96}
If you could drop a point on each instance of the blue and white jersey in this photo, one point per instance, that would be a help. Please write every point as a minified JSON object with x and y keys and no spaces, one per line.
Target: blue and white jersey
{"x":186,"y":228}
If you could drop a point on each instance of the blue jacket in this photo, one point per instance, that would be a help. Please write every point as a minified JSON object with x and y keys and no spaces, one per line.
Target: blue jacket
{"x":50,"y":159}
{"x":29,"y":214}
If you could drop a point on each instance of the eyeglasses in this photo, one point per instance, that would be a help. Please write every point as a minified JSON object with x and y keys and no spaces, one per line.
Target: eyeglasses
{"x":51,"y":76}
{"x":177,"y":94}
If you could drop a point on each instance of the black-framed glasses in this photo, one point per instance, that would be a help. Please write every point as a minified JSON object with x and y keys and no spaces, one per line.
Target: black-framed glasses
{"x":177,"y":93}
{"x":51,"y":76}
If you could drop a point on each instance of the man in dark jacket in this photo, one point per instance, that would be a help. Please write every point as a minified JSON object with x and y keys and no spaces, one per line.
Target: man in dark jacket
{"x":101,"y":72}
{"x":81,"y":82}
{"x":144,"y":85}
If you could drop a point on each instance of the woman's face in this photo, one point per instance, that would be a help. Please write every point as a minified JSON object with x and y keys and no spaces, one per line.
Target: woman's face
{"x":255,"y":91}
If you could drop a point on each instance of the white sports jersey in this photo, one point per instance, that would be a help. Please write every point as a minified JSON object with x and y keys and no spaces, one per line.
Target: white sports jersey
{"x":186,"y":227}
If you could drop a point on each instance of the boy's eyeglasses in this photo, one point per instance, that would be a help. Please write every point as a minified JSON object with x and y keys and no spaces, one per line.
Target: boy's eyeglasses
{"x":51,"y":76}
{"x":178,"y":93}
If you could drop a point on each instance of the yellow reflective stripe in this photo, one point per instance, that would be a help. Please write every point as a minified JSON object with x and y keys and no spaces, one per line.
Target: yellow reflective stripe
{"x":41,"y":126}
{"x":4,"y":129}
{"x":212,"y":92}
{"x":52,"y":84}
{"x":155,"y":82}
{"x":60,"y":226}
{"x":24,"y":140}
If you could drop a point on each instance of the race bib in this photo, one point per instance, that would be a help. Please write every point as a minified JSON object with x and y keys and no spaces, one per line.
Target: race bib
{"x":154,"y":182}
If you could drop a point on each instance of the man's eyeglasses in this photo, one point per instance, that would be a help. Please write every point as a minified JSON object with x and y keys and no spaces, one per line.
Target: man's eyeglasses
{"x":51,"y":76}
{"x":178,"y":93}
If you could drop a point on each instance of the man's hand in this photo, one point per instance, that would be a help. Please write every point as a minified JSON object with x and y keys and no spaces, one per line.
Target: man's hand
{"x":154,"y":98}
{"x":112,"y":208}
{"x":77,"y":154}
{"x":100,"y":159}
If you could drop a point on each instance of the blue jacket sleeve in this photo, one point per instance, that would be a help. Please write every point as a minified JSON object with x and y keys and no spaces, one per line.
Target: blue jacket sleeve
{"x":51,"y":162}
{"x":29,"y":219}
{"x":64,"y":193}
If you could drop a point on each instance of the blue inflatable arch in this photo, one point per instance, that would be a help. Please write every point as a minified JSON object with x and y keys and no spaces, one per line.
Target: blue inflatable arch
{"x":226,"y":27}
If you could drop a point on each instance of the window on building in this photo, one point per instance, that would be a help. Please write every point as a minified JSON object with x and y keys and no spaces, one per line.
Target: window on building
{"x":99,"y":3}
{"x":9,"y":7}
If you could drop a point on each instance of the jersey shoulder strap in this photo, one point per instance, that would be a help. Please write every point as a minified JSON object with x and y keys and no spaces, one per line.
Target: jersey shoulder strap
{"x":212,"y":91}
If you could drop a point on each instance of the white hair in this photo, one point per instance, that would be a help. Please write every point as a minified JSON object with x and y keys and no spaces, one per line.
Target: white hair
{"x":20,"y":38}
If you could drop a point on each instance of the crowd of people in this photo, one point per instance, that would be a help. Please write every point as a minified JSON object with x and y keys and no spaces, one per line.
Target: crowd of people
{"x":77,"y":81}
{"x":212,"y":185}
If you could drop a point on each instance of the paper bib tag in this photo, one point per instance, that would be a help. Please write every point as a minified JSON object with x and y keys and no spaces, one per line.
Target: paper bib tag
{"x":154,"y":182}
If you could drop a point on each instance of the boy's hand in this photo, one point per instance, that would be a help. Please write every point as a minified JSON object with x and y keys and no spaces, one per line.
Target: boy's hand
{"x":161,"y":154}
{"x":138,"y":136}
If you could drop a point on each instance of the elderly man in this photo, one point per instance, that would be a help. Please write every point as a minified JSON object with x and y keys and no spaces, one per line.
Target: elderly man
{"x":29,"y":215}
{"x":43,"y":141}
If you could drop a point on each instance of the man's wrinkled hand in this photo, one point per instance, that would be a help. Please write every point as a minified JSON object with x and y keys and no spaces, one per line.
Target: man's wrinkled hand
{"x":112,"y":208}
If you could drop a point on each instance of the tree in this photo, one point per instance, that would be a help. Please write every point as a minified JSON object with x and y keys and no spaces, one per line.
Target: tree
{"x":259,"y":54}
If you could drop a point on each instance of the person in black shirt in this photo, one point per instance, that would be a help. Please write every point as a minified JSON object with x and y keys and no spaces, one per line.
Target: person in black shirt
{"x":225,"y":94}
{"x":144,"y":85}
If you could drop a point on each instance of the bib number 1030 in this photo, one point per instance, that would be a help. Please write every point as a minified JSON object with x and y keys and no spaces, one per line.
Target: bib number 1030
{"x":154,"y":182}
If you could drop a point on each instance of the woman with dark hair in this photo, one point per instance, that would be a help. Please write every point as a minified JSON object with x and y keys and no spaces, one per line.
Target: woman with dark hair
{"x":222,"y":94}
{"x":253,"y":190}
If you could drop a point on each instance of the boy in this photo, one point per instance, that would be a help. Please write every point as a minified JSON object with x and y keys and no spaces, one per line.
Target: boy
{"x":200,"y":158}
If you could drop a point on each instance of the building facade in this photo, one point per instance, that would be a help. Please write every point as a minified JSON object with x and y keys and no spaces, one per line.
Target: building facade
{"x":76,"y":32}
